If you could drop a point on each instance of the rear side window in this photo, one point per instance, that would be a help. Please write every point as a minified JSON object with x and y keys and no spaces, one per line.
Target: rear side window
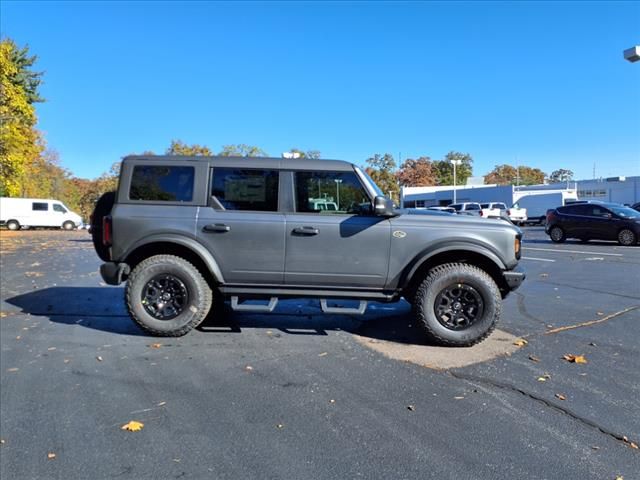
{"x":575,"y":209}
{"x":40,"y":206}
{"x":331,"y":193}
{"x":484,"y":205}
{"x":456,"y":206}
{"x":501,"y":206}
{"x":246,"y":189}
{"x":472,"y":206}
{"x":162,"y":184}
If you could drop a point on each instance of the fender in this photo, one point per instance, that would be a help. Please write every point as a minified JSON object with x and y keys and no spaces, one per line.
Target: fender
{"x":188,"y":242}
{"x":450,"y":246}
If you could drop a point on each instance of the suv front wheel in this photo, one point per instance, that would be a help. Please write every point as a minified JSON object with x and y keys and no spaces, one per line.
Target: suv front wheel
{"x":167,"y":296}
{"x":457,"y":305}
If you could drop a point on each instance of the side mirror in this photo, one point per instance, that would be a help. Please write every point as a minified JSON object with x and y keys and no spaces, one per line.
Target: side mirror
{"x":383,"y":207}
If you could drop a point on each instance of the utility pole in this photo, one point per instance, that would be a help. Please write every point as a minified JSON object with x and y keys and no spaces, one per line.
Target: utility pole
{"x":455,"y":162}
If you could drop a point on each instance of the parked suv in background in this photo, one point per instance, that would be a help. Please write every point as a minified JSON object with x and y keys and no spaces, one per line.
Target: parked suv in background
{"x":189,"y":232}
{"x":467,"y":208}
{"x":594,"y":221}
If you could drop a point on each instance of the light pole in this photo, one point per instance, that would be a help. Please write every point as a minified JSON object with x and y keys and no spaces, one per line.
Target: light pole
{"x":338,"y":182}
{"x":455,"y":163}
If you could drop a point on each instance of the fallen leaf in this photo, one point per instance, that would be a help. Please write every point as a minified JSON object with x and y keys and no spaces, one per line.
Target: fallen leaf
{"x":332,"y":401}
{"x":1,"y":441}
{"x":633,"y":445}
{"x":322,"y":354}
{"x":248,"y":368}
{"x":599,"y":313}
{"x":544,"y":275}
{"x":51,"y":455}
{"x":520,"y":342}
{"x":542,"y":379}
{"x":99,"y":358}
{"x":574,"y":358}
{"x":459,"y":398}
{"x":13,"y":369}
{"x":51,"y":349}
{"x":595,"y":447}
{"x":592,"y":344}
{"x":18,"y":337}
{"x":619,"y":477}
{"x":534,"y":358}
{"x":161,"y":404}
{"x":132,"y":426}
{"x":280,"y":425}
{"x":155,"y":345}
{"x":560,"y":396}
{"x":177,"y":460}
{"x":411,"y":407}
{"x":66,"y":360}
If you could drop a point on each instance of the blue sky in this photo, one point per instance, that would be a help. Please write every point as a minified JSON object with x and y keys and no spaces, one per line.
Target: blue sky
{"x":544,"y":83}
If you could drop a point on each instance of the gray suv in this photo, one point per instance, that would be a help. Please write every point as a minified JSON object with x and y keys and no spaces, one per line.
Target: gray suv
{"x":189,"y":233}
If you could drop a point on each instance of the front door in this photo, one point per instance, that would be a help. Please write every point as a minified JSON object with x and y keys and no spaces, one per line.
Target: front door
{"x":242,"y":227}
{"x":333,"y":238}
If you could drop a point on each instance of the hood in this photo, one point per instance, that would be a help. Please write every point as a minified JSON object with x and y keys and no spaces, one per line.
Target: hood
{"x":443,"y":219}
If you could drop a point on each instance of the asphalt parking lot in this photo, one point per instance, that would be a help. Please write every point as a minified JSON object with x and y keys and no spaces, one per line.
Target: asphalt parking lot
{"x":298,"y":395}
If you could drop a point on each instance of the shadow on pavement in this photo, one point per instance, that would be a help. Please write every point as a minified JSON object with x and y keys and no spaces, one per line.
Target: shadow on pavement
{"x":102,"y":308}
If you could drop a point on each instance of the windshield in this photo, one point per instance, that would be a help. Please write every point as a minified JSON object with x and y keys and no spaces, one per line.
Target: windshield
{"x":372,"y":184}
{"x":625,"y":212}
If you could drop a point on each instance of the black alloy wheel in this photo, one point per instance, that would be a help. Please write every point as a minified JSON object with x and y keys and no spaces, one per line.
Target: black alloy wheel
{"x":458,"y":306}
{"x":164,"y":297}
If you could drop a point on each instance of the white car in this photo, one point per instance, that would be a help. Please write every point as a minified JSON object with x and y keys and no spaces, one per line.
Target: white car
{"x":493,"y":209}
{"x":16,"y":213}
{"x":517,"y":215}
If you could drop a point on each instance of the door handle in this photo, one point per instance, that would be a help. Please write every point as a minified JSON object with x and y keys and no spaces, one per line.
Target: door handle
{"x":306,"y":231}
{"x":216,"y":227}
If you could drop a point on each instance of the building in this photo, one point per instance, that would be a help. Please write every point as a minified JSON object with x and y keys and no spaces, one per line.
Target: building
{"x":625,"y":190}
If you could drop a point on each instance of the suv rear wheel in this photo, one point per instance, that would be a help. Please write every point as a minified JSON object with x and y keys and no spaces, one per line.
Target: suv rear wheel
{"x":457,"y":305}
{"x":167,"y":296}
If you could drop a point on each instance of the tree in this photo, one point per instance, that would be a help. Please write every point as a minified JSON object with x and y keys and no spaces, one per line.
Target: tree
{"x":382,"y":170}
{"x":510,"y":175}
{"x":444,"y":168}
{"x":20,"y":142}
{"x":417,"y":173}
{"x":311,"y":154}
{"x":242,"y":150}
{"x":561,"y":175}
{"x":178,"y":147}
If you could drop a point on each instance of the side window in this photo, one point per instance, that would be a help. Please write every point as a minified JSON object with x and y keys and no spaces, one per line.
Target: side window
{"x":485,"y":205}
{"x":456,"y":206}
{"x":160,"y":183}
{"x":246,"y":189}
{"x":597,"y":211}
{"x":40,"y":206}
{"x":579,"y":210}
{"x":58,"y":208}
{"x":473,"y":206}
{"x":331,"y":193}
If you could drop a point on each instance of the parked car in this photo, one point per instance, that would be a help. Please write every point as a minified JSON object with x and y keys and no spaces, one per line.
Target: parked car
{"x":16,"y":213}
{"x":493,"y":209}
{"x":467,"y":208}
{"x":636,"y":206}
{"x":517,"y":214}
{"x":186,"y":234}
{"x":594,"y":221}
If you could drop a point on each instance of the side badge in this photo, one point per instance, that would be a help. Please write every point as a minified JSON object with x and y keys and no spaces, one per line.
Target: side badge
{"x":399,"y":234}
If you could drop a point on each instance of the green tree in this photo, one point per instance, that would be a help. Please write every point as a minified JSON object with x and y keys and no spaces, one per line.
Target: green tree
{"x":178,"y":147}
{"x":417,"y":173}
{"x":561,"y":175}
{"x":510,"y":175}
{"x":382,"y":169}
{"x":444,"y":168}
{"x":20,"y":142}
{"x":242,"y":150}
{"x":311,"y":154}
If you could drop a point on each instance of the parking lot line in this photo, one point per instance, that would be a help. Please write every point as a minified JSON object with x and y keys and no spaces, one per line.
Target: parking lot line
{"x":557,"y":250}
{"x":538,"y":259}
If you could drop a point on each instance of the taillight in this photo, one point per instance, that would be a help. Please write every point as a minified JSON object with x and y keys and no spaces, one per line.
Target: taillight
{"x":508,"y":212}
{"x":516,"y":247}
{"x":481,"y":213}
{"x":107,"y":231}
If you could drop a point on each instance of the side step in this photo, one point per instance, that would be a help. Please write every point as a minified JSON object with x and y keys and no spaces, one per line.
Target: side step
{"x":239,"y":307}
{"x":343,"y":310}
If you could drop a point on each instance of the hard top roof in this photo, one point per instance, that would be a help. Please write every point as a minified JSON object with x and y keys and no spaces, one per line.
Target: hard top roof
{"x":251,"y":162}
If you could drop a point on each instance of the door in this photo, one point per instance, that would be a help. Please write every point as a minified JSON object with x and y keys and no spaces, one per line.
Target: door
{"x":342,"y":246}
{"x":601,"y":223}
{"x":242,"y":227}
{"x":40,"y":214}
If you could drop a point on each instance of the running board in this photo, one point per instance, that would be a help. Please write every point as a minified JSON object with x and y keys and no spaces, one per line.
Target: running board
{"x":343,"y":310}
{"x":236,"y":306}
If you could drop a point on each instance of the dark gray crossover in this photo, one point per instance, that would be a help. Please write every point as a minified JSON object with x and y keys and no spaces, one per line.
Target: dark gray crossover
{"x":188,"y":233}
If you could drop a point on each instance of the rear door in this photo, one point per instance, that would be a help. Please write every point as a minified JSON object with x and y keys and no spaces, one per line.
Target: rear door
{"x":242,"y":226}
{"x":40,"y":215}
{"x":344,"y":247}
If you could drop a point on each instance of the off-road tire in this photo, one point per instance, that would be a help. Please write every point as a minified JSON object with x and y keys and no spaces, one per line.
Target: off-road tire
{"x":199,"y":295}
{"x":102,"y":209}
{"x":444,"y":276}
{"x":627,"y":238}
{"x":557,"y":235}
{"x":13,"y":225}
{"x":68,"y":225}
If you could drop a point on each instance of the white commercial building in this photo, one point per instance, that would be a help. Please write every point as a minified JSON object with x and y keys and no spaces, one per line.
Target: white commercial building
{"x":625,"y":190}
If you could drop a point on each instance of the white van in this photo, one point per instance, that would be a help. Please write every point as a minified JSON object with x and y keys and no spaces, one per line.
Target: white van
{"x":16,"y":213}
